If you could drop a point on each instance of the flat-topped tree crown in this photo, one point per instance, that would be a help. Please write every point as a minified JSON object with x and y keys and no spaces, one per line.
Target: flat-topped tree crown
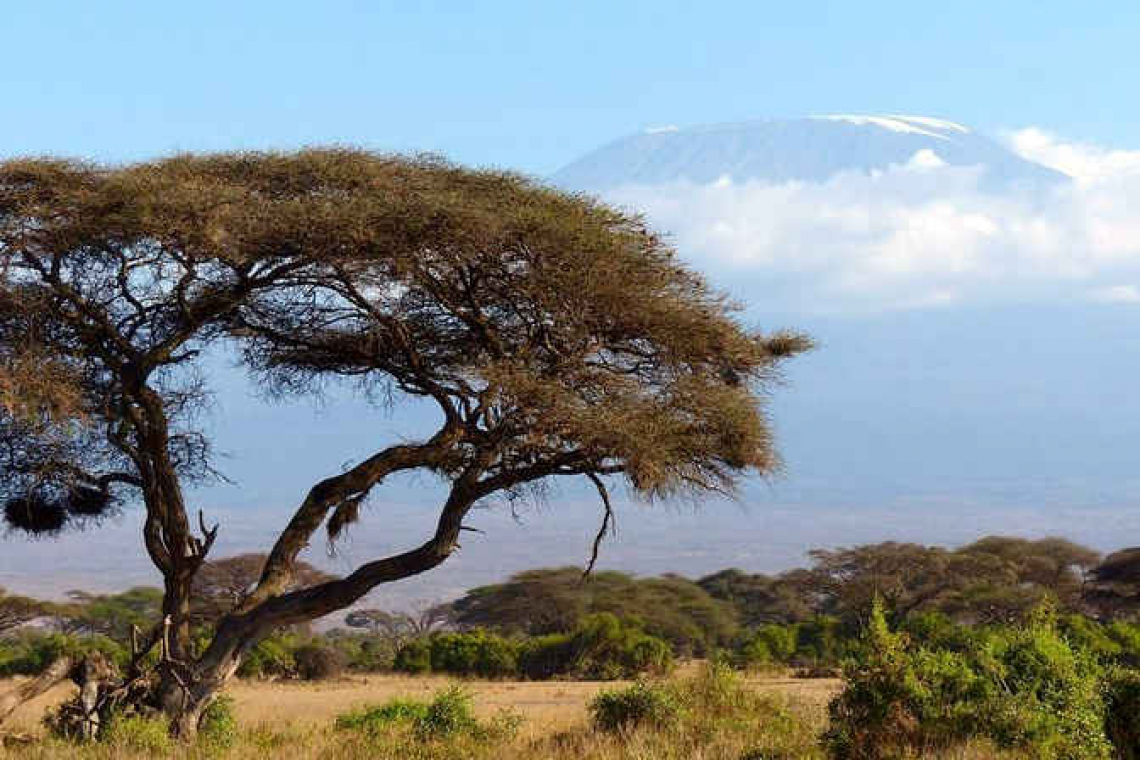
{"x":557,"y":335}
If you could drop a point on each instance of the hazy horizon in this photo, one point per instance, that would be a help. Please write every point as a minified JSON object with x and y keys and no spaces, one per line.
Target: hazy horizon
{"x":970,"y":270}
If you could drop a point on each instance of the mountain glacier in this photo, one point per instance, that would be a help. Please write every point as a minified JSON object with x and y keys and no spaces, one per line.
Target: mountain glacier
{"x":809,"y":149}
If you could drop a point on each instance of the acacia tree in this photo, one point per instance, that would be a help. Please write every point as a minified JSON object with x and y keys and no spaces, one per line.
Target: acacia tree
{"x":220,"y":585}
{"x":557,"y":336}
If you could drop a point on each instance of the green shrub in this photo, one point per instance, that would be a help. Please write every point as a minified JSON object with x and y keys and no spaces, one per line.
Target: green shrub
{"x":473,"y":653}
{"x":218,"y":728}
{"x":376,"y":720}
{"x":638,"y":705}
{"x":448,"y":716}
{"x":605,"y":648}
{"x":30,"y":652}
{"x":821,"y":641}
{"x":542,"y":657}
{"x":413,"y":658}
{"x":1089,"y":635}
{"x":1050,"y":700}
{"x":271,"y":657}
{"x":1122,"y":713}
{"x":364,"y":653}
{"x":1022,"y":689}
{"x":767,"y":646}
{"x":1127,"y":635}
{"x":896,"y":701}
{"x":138,"y":734}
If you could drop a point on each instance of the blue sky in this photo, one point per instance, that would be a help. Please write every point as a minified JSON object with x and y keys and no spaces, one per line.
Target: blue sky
{"x":533,"y":85}
{"x":934,"y":424}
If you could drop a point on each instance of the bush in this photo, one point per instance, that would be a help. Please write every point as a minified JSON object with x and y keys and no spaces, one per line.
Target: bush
{"x":137,"y":734}
{"x":473,"y":653}
{"x":218,"y":728}
{"x":413,"y":658}
{"x":364,"y":653}
{"x":30,"y":652}
{"x":767,"y":646}
{"x":447,"y":716}
{"x":1122,"y":713}
{"x":605,"y":648}
{"x":318,"y":662}
{"x":637,"y":705}
{"x":542,"y":657}
{"x":896,"y":701}
{"x":1051,"y":698}
{"x":270,"y":658}
{"x":1023,"y":689}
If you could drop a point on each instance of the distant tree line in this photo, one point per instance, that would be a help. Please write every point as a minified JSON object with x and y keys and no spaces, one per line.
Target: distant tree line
{"x":552,"y":622}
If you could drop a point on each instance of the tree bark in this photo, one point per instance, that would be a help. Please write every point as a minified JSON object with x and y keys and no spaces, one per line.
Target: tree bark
{"x":57,"y":672}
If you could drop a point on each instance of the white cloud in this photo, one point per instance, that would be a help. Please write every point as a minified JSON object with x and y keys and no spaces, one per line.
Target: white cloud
{"x":919,"y":234}
{"x":1086,"y":163}
{"x":1117,"y":294}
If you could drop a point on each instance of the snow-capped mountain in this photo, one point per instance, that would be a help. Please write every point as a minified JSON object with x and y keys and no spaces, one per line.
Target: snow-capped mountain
{"x":810,"y":149}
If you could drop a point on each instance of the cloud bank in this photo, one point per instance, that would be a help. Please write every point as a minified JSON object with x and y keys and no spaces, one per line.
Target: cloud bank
{"x":918,"y":234}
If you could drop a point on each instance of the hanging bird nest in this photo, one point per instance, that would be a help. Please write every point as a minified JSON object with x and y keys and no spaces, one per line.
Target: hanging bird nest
{"x":35,"y":513}
{"x":85,"y":501}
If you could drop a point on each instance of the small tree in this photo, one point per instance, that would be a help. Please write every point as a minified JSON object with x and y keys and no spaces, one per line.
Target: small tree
{"x":557,"y":337}
{"x":221,"y":585}
{"x":16,"y":611}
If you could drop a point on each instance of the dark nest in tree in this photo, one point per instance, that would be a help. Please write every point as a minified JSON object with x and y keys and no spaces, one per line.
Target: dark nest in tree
{"x":35,"y":514}
{"x":84,"y":501}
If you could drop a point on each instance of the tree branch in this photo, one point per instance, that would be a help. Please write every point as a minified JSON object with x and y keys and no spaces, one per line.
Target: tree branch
{"x":607,"y":522}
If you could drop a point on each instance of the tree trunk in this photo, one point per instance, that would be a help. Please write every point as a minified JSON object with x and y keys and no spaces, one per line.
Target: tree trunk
{"x":185,"y":697}
{"x":57,"y":672}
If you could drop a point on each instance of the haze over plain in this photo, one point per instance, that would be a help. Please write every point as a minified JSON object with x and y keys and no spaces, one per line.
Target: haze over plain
{"x":977,"y":311}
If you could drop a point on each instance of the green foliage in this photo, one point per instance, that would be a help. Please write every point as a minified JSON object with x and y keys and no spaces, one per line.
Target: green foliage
{"x":542,"y":657}
{"x":601,"y":648}
{"x":1051,"y":697}
{"x":606,"y":648}
{"x":112,"y":615}
{"x":413,"y":658}
{"x":1022,"y":688}
{"x":29,"y":652}
{"x":218,"y":729}
{"x":1122,"y":713}
{"x":633,"y":706}
{"x":271,"y":657}
{"x":473,"y":653}
{"x":448,"y":715}
{"x":556,"y":600}
{"x":149,"y":736}
{"x":364,"y":652}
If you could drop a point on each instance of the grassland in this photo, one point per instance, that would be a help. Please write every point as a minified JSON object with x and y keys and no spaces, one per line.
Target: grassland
{"x":295,"y":720}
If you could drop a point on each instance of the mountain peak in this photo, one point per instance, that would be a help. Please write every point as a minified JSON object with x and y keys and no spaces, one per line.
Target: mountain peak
{"x":812,"y":149}
{"x":922,"y":125}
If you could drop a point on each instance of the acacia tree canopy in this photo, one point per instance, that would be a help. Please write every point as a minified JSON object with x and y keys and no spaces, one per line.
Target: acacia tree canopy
{"x":558,"y":337}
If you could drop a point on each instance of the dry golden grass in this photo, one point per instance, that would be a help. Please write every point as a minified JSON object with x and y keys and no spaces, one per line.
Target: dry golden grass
{"x":291,"y":720}
{"x":546,"y":706}
{"x":295,"y":720}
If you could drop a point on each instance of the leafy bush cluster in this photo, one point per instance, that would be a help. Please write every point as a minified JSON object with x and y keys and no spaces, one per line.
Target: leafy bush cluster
{"x":702,"y":716}
{"x":289,"y":655}
{"x":30,"y":651}
{"x":820,"y":642}
{"x":637,"y":705}
{"x":1020,"y":688}
{"x":602,"y":647}
{"x":447,"y":716}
